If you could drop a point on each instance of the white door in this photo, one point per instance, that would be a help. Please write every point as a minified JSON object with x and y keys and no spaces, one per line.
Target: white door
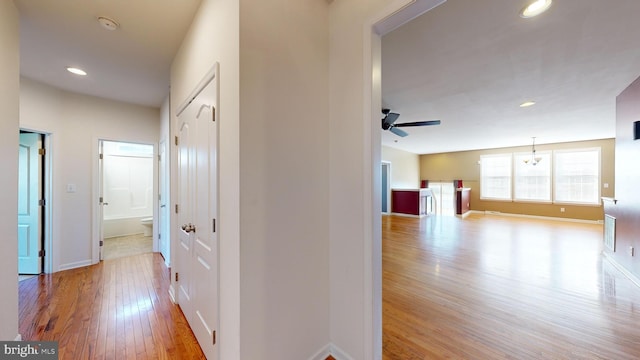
{"x":163,"y":231}
{"x":198,"y":209}
{"x":29,"y":208}
{"x":185,"y":219}
{"x":205,"y":246}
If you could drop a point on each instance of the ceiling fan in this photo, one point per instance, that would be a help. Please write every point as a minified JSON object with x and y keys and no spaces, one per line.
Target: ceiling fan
{"x":389,"y":119}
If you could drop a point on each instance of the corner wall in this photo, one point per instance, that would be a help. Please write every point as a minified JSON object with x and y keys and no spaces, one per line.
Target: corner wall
{"x":9,"y":130}
{"x":405,"y":168}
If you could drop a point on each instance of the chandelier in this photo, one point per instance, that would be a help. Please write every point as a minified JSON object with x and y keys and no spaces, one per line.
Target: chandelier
{"x":534,"y":159}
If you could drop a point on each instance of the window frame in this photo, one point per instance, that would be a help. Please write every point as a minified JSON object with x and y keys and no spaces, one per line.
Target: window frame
{"x":510,"y":186}
{"x":547,"y":162}
{"x":555,"y":186}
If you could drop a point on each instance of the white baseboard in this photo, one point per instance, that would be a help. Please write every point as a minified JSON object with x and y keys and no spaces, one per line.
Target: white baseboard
{"x":408,"y":215}
{"x":538,"y":217}
{"x":339,"y":354}
{"x":634,"y":279}
{"x":75,"y":265}
{"x":18,"y":338}
{"x":333,"y":350}
{"x":322,"y":354}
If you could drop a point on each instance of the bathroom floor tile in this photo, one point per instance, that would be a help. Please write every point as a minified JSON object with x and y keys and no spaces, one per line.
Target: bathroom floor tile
{"x":121,"y":246}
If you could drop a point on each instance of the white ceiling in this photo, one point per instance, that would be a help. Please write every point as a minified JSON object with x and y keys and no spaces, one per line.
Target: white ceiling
{"x":470,"y":63}
{"x":131,"y":64}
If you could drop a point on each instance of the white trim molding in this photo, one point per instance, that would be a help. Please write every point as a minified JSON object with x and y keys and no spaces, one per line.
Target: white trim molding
{"x":75,"y":265}
{"x":634,"y":279}
{"x":333,"y":350}
{"x":486,"y":212}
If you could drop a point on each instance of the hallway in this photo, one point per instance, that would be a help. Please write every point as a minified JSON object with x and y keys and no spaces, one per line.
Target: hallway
{"x":118,"y":309}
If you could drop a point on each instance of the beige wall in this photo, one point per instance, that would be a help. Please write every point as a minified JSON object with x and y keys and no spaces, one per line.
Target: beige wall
{"x":9,"y":129}
{"x":464,"y":165}
{"x":405,"y":168}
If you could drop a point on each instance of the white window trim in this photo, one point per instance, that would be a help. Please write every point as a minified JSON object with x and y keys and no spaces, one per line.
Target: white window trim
{"x":482,"y":197}
{"x":554,"y":174}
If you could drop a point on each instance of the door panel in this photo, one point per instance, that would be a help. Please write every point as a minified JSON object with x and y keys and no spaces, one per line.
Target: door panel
{"x":183,"y":268}
{"x":205,"y":245}
{"x":198,"y":208}
{"x":29,"y":210}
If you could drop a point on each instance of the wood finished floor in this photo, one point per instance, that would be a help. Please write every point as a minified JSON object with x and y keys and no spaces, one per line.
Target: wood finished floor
{"x":118,"y":309}
{"x":491,"y":287}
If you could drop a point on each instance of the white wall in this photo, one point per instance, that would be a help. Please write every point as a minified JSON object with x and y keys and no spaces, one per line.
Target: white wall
{"x":274,"y":164}
{"x":75,"y":123}
{"x":214,"y":37}
{"x":405,"y":168}
{"x":9,"y":130}
{"x":284,"y":167}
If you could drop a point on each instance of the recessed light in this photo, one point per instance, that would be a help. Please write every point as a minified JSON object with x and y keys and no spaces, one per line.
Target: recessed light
{"x":535,"y":8}
{"x":527,"y":104}
{"x":76,"y":71}
{"x":107,"y":23}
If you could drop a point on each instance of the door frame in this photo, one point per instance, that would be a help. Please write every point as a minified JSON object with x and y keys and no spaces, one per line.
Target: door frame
{"x":388,"y":189}
{"x":47,"y":192}
{"x":384,"y":20}
{"x":95,"y":202}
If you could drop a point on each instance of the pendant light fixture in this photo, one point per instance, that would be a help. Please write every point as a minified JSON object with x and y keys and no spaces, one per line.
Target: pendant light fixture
{"x":534,"y":159}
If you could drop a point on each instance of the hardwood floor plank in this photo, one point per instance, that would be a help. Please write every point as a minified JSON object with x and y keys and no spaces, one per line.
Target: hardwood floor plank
{"x":118,"y":309}
{"x":492,"y":287}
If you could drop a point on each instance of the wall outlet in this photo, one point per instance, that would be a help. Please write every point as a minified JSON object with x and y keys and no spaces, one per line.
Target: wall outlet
{"x":606,"y":185}
{"x":561,"y":209}
{"x":631,"y":251}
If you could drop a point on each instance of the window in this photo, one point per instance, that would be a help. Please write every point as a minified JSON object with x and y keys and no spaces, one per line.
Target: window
{"x":532,"y":182}
{"x":495,"y":177}
{"x":572,"y":176}
{"x":577,"y":176}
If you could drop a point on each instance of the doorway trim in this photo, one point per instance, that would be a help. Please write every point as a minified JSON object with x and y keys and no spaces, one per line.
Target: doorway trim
{"x":95,"y":202}
{"x":382,"y":22}
{"x":47,"y":218}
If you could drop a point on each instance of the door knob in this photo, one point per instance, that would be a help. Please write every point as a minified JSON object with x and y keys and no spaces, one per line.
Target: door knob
{"x":189,"y":228}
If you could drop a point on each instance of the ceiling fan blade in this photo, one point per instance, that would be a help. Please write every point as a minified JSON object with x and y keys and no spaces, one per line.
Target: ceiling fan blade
{"x":419,"y":123}
{"x":398,"y":132}
{"x":390,"y":118}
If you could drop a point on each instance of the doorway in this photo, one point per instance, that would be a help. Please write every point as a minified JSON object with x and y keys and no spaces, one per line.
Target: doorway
{"x":32,"y":203}
{"x":126,"y":200}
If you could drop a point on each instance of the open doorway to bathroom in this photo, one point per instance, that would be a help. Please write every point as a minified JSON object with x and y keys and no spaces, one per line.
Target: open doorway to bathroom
{"x":127,"y":198}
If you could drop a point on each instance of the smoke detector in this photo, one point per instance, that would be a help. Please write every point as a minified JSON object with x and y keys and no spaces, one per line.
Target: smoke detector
{"x":107,"y":23}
